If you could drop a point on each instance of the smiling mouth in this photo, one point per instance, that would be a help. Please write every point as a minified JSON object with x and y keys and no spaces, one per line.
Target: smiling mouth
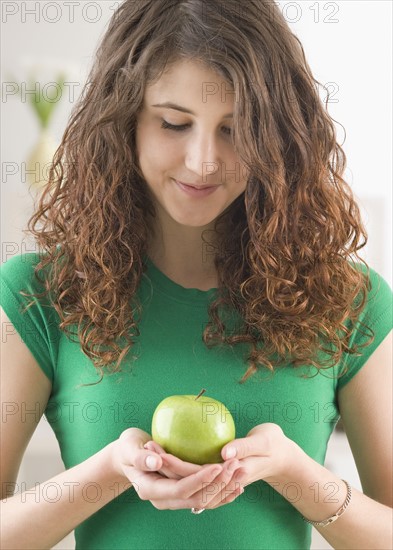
{"x":199,"y":187}
{"x":196,"y":192}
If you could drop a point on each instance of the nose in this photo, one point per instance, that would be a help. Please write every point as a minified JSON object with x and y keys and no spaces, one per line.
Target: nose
{"x":202,"y":154}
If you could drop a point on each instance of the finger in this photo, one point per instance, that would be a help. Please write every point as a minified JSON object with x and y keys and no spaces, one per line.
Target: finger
{"x":174,"y":467}
{"x":252,"y":469}
{"x":164,"y":470}
{"x":198,"y":502}
{"x":167,"y":472}
{"x":258,"y":442}
{"x":223,"y":485}
{"x":194,"y":484}
{"x":180,"y":467}
{"x":242,"y":448}
{"x":240,"y":475}
{"x":176,"y":492}
{"x":155,"y":447}
{"x":134,"y":454}
{"x":230,"y":497}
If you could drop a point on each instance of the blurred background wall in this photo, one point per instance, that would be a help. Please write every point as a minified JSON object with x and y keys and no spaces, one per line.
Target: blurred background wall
{"x":348,"y":45}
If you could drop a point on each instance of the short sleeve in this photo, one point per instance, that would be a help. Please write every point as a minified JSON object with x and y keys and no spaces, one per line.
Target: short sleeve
{"x":376,"y":315}
{"x":38,"y":325}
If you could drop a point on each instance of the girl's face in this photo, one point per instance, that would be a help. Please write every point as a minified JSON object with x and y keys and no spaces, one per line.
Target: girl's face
{"x":189,"y":142}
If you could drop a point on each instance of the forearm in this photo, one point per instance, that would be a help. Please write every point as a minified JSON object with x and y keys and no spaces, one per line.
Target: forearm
{"x":41,"y":517}
{"x":317,"y":494}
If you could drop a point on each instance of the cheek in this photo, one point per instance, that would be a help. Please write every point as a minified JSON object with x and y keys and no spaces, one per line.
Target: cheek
{"x":244,"y":175}
{"x":157,"y":150}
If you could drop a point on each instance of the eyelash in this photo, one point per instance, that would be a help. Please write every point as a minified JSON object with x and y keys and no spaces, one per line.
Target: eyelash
{"x":167,"y":126}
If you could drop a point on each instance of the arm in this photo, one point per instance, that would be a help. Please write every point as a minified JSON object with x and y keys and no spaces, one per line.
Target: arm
{"x":111,"y":470}
{"x":22,"y":381}
{"x":366,"y":407}
{"x":53,"y":520}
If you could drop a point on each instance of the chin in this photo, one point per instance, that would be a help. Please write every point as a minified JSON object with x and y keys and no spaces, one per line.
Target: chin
{"x":194,"y":223}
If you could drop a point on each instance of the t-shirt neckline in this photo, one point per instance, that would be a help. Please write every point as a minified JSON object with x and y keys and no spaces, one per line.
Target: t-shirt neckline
{"x":174,"y":290}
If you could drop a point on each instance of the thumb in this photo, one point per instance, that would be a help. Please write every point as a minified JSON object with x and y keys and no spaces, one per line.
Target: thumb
{"x":134,"y":454}
{"x":238,"y":448}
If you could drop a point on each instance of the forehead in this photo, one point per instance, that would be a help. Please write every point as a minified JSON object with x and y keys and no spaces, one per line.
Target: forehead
{"x":191,"y":81}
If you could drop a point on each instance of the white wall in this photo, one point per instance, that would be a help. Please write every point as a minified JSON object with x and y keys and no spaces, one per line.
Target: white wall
{"x":353,"y":54}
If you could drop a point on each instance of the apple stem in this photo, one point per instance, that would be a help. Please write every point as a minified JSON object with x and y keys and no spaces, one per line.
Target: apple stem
{"x":200,"y":393}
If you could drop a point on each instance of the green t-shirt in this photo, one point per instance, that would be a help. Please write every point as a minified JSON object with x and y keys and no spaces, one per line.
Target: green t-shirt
{"x":170,"y":359}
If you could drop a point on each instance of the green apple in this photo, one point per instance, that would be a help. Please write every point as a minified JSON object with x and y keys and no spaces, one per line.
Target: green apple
{"x":193,"y":427}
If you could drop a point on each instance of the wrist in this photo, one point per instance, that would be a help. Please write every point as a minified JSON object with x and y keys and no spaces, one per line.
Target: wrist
{"x":311,"y":488}
{"x":292,"y":469}
{"x":113,"y":462}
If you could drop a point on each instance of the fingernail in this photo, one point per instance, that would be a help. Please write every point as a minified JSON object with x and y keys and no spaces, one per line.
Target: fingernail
{"x":152,"y":462}
{"x":230,"y":452}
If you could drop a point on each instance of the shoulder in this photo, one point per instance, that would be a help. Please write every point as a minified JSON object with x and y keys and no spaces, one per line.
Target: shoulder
{"x":379,"y":289}
{"x":19,"y":268}
{"x":33,"y":317}
{"x":371,"y":327}
{"x":18,"y":275}
{"x":377,"y":311}
{"x":378,"y":304}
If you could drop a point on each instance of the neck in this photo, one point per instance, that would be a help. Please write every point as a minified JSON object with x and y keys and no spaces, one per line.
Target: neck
{"x":186,"y":256}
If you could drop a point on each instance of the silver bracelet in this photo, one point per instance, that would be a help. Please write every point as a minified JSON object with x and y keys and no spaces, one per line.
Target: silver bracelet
{"x":339,"y":513}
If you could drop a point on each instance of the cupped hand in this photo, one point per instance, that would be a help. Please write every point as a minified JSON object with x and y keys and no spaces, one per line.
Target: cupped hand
{"x":194,"y":486}
{"x":223,"y":490}
{"x":263,"y":454}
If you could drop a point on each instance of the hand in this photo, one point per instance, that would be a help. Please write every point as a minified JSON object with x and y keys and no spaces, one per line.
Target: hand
{"x":140,"y":466}
{"x":263,"y":454}
{"x":226,"y":489}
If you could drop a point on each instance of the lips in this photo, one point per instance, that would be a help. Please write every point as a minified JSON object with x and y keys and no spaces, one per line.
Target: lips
{"x":201,"y":192}
{"x":199,"y":187}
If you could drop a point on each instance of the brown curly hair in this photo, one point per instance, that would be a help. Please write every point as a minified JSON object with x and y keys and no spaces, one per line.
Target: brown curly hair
{"x":283,"y":262}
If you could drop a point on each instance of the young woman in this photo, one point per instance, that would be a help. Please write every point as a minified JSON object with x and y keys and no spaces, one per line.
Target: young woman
{"x":196,"y":233}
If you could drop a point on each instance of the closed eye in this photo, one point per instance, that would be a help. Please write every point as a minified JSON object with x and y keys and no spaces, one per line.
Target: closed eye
{"x":167,"y":126}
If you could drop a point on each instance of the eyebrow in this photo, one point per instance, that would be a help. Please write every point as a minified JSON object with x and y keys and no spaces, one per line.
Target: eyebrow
{"x":170,"y":105}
